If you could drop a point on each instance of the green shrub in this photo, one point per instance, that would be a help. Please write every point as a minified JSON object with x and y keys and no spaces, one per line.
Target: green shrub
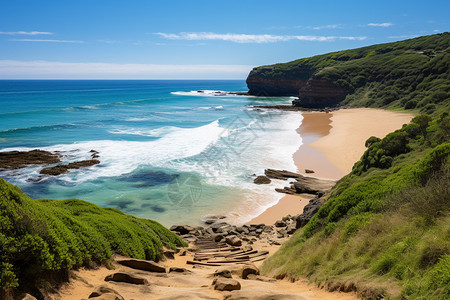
{"x":394,"y":75}
{"x":40,"y":238}
{"x":355,"y":223}
{"x":440,"y":276}
{"x":395,"y":222}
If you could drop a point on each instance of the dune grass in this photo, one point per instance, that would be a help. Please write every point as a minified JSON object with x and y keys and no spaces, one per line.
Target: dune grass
{"x":385,"y":229}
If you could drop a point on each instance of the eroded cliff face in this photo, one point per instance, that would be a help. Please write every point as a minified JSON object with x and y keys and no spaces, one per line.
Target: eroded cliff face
{"x":261,"y":83}
{"x":319,"y":93}
{"x":312,"y":92}
{"x":273,"y":87}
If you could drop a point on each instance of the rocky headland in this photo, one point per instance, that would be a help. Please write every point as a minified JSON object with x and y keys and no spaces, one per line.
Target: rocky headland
{"x":301,"y":82}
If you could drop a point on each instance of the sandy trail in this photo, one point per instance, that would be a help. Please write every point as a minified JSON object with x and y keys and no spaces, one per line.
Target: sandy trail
{"x":193,"y":285}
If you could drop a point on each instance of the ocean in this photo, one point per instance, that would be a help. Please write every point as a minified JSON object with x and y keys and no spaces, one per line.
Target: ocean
{"x":172,"y":151}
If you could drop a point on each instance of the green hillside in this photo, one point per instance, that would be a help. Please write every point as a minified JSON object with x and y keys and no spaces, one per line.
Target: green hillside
{"x":385,"y":228}
{"x":411,"y":74}
{"x":42,"y":240}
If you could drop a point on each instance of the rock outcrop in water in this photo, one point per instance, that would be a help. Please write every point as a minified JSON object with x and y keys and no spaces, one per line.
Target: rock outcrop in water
{"x":13,"y":160}
{"x":61,"y":169}
{"x":302,"y":185}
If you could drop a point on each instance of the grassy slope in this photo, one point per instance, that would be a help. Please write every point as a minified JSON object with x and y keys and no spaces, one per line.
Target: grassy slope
{"x":386,"y":226}
{"x":43,"y":239}
{"x":411,"y":74}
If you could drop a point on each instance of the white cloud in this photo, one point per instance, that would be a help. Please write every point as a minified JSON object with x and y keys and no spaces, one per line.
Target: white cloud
{"x":26,"y":32}
{"x":386,"y":24}
{"x":251,"y":38}
{"x":47,"y":41}
{"x":13,"y":69}
{"x":108,"y":41}
{"x":333,"y":26}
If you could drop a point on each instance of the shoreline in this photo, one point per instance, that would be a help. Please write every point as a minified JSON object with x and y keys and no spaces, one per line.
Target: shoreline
{"x":332,"y":143}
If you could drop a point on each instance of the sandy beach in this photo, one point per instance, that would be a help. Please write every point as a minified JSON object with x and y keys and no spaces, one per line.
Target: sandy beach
{"x":332,"y":143}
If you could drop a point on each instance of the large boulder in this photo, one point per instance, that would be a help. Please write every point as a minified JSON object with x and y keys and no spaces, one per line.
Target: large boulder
{"x":262,"y":180}
{"x":280,"y":174}
{"x":126,"y":277}
{"x":308,"y":212}
{"x":308,"y":185}
{"x":233,"y":240}
{"x":280,"y":223}
{"x":218,"y":238}
{"x":312,"y":185}
{"x":246,"y":270}
{"x":146,"y":265}
{"x":214,"y":227}
{"x":226,"y":284}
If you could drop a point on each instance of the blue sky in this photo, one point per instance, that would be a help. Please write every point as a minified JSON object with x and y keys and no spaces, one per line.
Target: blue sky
{"x":211,"y":39}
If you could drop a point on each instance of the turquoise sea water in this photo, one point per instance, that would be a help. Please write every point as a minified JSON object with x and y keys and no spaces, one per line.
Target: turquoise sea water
{"x":167,"y":151}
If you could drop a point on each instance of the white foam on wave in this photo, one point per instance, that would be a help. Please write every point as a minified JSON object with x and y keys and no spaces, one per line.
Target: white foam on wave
{"x":207,"y":93}
{"x":138,"y":119}
{"x":157,"y":132}
{"x":121,"y":157}
{"x":220,"y":107}
{"x":249,"y":148}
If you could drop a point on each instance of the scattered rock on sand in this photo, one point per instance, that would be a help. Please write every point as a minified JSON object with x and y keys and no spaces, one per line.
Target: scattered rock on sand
{"x":260,"y":278}
{"x":226,"y":284}
{"x":291,"y":229}
{"x":248,"y":269}
{"x":308,"y":171}
{"x":182,"y":229}
{"x":262,"y":180}
{"x":218,"y":237}
{"x":179,"y":270}
{"x":105,"y":291}
{"x":225,"y":273}
{"x":280,"y":223}
{"x":126,"y":277}
{"x":140,"y":264}
{"x":233,"y":240}
{"x":170,"y":254}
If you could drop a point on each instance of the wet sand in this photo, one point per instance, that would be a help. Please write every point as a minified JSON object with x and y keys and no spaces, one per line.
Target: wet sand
{"x":332,"y":143}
